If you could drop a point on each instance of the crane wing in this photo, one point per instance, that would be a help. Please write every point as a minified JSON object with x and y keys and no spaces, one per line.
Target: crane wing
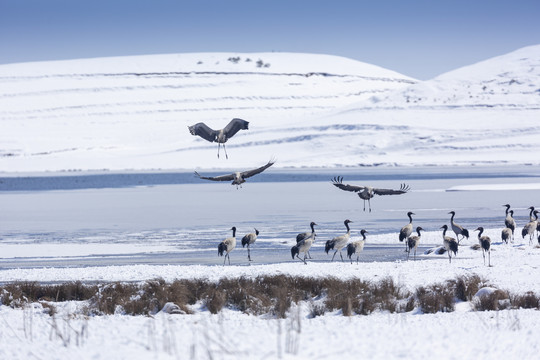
{"x":229,"y":177}
{"x":249,"y":173}
{"x":204,"y":131}
{"x":234,"y":126}
{"x":403,"y":189}
{"x":338,"y":181}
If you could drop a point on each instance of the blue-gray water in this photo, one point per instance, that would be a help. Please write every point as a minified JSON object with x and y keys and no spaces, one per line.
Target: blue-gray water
{"x":195,"y":215}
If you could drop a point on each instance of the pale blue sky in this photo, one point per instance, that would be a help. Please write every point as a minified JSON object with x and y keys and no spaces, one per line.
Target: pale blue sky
{"x":421,"y":39}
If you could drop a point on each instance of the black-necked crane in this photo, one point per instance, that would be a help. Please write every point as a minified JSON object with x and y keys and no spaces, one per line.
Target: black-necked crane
{"x":356,"y":247}
{"x":220,"y":136}
{"x":306,"y":235}
{"x":485,"y":244}
{"x":449,"y":243}
{"x":248,"y":240}
{"x":531,"y":213}
{"x":339,"y":242}
{"x":303,"y":246}
{"x":407,"y":230}
{"x":368,"y":192}
{"x":509,"y":221}
{"x":506,"y":234}
{"x":458,"y":229}
{"x":413,"y":241}
{"x":238,"y":177}
{"x":227,"y":245}
{"x":530,"y":227}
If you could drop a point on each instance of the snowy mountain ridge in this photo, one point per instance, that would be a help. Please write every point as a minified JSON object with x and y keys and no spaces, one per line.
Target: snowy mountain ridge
{"x":262,"y":63}
{"x":510,"y":80}
{"x":306,"y":110}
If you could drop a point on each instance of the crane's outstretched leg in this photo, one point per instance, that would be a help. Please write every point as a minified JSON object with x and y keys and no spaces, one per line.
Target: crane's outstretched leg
{"x":218,"y":150}
{"x":224,"y":259}
{"x":249,"y":255}
{"x":369,"y":203}
{"x":341,"y":256}
{"x":224,"y":149}
{"x":334,"y":255}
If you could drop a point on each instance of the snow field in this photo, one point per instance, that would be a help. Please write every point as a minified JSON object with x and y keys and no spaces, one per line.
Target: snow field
{"x":30,"y":333}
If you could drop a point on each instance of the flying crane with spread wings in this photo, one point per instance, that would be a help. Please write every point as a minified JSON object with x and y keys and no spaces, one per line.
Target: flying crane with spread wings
{"x":220,"y":136}
{"x":238,"y":177}
{"x":367,"y":192}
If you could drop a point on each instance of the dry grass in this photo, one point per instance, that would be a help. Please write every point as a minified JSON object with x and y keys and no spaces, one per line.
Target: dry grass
{"x":527,"y":301}
{"x":264,"y":295}
{"x":497,"y":300}
{"x":467,"y":285}
{"x":436,"y":298}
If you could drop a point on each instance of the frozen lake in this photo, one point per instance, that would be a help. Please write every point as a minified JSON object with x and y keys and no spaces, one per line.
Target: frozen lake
{"x":175,"y":218}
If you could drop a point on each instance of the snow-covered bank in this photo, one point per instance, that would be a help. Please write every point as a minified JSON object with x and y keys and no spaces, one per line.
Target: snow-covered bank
{"x":505,"y":334}
{"x":30,"y":331}
{"x":514,"y":269}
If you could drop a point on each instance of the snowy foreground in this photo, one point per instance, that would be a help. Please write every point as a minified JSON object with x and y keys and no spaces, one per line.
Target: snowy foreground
{"x":31,"y":333}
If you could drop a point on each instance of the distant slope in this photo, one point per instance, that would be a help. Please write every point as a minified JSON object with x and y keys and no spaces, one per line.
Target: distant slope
{"x":132,"y":113}
{"x":510,"y":80}
{"x":88,"y":113}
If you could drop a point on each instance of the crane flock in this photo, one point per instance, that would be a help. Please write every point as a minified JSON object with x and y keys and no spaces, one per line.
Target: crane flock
{"x":304,"y":241}
{"x":450,"y":245}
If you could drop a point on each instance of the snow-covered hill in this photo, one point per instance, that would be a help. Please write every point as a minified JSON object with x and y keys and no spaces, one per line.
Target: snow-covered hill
{"x":511,"y":80}
{"x":306,"y":110}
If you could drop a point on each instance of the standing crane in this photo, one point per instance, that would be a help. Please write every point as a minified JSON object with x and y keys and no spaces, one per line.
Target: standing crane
{"x":531,"y":226}
{"x":306,"y":235}
{"x":509,"y":221}
{"x":248,"y":240}
{"x":506,"y":234}
{"x":485,"y":244}
{"x":449,"y":243}
{"x":339,"y":242}
{"x":458,"y":229}
{"x":303,"y":246}
{"x":227,"y":245}
{"x":406,"y":231}
{"x":356,"y":247}
{"x":413,"y":241}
